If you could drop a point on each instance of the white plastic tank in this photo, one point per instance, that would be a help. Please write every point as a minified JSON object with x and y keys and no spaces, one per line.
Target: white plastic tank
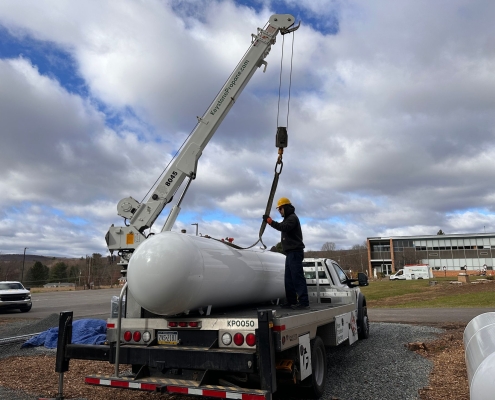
{"x":171,"y":273}
{"x":479,"y":345}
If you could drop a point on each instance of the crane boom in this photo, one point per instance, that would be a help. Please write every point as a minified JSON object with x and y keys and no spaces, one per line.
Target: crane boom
{"x":141,"y":216}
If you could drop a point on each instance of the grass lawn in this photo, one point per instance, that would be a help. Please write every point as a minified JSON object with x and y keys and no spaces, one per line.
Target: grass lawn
{"x":419,"y":293}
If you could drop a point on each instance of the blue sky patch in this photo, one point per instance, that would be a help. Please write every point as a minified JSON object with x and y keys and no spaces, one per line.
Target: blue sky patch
{"x":50,"y":60}
{"x":77,"y":221}
{"x":328,"y":24}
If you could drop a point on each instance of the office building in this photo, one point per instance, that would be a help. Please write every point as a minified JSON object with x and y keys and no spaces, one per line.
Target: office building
{"x":386,"y":255}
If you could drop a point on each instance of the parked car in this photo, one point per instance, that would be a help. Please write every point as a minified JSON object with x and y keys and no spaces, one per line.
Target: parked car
{"x":14,"y":295}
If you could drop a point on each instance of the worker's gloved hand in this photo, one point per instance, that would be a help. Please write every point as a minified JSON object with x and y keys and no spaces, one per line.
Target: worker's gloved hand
{"x":267,"y":219}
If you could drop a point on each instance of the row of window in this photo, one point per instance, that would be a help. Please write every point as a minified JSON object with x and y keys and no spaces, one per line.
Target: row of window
{"x":418,"y":248}
{"x":485,"y":241}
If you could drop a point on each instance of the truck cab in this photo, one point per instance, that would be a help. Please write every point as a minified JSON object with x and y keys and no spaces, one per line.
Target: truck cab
{"x":399,"y":275}
{"x":333,"y":285}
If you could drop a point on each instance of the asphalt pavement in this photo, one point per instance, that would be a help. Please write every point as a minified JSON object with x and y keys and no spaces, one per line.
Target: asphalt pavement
{"x":84,"y":303}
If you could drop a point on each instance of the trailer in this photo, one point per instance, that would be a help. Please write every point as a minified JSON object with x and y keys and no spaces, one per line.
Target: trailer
{"x":247,"y":352}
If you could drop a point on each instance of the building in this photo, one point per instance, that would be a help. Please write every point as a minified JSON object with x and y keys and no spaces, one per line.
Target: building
{"x":442,"y":252}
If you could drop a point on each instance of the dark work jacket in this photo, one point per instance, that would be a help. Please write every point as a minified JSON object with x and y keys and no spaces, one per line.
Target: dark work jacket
{"x":292,"y":238}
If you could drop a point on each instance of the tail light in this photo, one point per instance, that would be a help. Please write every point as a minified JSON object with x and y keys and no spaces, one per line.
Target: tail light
{"x":250,"y":339}
{"x":172,"y":324}
{"x":136,"y":336}
{"x":239,"y":339}
{"x":127,"y":336}
{"x":193,"y":324}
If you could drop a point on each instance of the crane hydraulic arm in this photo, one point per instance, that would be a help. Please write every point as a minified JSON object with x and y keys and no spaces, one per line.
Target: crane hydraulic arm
{"x":141,"y":216}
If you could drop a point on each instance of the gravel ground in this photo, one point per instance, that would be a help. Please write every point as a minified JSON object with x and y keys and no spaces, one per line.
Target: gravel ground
{"x":380,"y":367}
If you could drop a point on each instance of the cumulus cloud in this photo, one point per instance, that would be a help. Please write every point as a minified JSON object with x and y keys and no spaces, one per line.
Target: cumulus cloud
{"x":391,"y":121}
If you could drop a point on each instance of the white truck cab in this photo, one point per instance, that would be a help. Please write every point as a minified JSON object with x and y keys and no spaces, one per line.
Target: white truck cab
{"x":410,"y":272}
{"x":333,"y":285}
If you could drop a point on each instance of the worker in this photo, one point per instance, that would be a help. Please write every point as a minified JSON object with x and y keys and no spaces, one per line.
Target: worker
{"x":296,"y":290}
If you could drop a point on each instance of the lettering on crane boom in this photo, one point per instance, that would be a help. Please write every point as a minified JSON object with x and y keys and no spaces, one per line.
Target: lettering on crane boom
{"x":240,"y":323}
{"x":233,"y":82}
{"x":171,"y":179}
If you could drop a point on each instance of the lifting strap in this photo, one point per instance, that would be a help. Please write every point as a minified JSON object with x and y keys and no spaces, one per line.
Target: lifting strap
{"x":280,"y":142}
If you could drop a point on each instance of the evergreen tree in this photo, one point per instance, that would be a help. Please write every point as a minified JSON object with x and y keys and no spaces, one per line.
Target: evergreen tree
{"x":74,"y":274}
{"x":58,"y":273}
{"x":37,"y":275}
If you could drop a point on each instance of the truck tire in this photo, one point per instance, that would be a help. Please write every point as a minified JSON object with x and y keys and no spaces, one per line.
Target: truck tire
{"x":314,"y":385}
{"x":363,"y":322}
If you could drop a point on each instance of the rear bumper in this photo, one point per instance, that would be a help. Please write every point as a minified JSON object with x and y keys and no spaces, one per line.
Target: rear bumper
{"x":168,"y":357}
{"x":178,"y":387}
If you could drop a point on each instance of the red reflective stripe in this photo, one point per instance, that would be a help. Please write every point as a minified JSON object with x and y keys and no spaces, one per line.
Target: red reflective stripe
{"x":148,"y":386}
{"x":92,"y":381}
{"x":253,"y":397}
{"x":123,"y":384}
{"x":109,"y":326}
{"x":214,"y":393}
{"x":278,"y":328}
{"x":176,"y":389}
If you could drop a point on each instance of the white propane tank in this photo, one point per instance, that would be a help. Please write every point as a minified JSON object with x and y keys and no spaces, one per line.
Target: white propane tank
{"x":479,"y":345}
{"x":171,"y":273}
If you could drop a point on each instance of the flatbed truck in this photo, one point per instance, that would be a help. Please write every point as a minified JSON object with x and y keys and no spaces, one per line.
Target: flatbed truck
{"x":247,"y":352}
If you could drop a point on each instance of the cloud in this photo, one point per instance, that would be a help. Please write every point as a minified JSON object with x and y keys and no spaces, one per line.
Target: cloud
{"x":391,"y":121}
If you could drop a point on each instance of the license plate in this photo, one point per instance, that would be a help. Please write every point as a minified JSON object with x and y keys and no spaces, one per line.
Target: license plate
{"x":168,"y":337}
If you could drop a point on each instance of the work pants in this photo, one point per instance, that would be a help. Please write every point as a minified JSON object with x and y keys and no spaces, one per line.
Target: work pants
{"x":296,"y":290}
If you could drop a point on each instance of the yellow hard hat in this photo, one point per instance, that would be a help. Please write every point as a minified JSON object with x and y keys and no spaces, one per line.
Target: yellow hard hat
{"x":282,"y":202}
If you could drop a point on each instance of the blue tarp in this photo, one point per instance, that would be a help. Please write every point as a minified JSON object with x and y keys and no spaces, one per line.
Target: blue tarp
{"x":84,"y":331}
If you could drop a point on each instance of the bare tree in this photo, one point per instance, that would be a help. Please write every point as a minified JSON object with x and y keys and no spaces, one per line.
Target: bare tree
{"x":328,"y":246}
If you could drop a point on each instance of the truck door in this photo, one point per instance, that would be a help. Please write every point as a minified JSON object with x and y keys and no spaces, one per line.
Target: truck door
{"x":339,"y":278}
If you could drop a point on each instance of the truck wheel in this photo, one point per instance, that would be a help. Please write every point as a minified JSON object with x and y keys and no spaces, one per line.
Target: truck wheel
{"x":316,"y":382}
{"x":363,"y":322}
{"x":26,"y":309}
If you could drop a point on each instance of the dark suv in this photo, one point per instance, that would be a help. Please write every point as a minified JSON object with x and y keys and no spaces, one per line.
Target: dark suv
{"x":14,"y":295}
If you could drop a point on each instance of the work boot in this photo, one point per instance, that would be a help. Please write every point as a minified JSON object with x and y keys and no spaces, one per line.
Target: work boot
{"x":286,"y":305}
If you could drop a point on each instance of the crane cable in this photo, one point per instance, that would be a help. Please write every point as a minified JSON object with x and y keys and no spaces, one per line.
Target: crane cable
{"x":281,"y":142}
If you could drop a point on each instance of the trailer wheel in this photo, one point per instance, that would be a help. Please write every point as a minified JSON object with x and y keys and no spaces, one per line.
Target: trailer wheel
{"x":363,"y":322}
{"x":314,"y":385}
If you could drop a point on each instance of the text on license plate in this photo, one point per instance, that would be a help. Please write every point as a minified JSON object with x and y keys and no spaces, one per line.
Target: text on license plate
{"x":167,"y":337}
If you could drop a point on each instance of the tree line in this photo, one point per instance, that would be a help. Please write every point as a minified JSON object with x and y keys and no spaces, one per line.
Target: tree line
{"x":94,"y":270}
{"x":354,"y":259}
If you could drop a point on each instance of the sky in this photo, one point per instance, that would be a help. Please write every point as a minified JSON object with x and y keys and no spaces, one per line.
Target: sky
{"x":391,"y":118}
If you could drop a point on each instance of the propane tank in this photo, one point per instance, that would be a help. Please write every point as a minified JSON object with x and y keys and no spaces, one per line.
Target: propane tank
{"x":479,"y":345}
{"x":171,"y":273}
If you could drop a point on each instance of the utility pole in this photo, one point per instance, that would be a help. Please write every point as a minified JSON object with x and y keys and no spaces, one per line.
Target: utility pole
{"x":196,"y":228}
{"x":23,"y":260}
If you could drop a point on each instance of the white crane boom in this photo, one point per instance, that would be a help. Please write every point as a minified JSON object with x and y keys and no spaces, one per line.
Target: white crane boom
{"x":141,"y":216}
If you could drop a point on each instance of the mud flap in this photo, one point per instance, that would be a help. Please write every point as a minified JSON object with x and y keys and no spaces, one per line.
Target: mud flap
{"x":304,"y":357}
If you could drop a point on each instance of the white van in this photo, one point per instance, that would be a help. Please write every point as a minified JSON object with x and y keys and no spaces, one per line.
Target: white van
{"x":413,"y":272}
